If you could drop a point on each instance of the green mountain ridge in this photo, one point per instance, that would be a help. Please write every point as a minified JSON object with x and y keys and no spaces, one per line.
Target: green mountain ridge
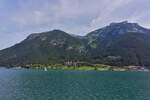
{"x":118,"y":44}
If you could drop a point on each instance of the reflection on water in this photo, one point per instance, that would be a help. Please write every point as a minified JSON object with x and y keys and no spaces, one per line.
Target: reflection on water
{"x":73,"y":85}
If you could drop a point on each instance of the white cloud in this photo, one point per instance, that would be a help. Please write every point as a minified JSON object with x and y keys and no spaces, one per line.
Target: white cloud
{"x":108,"y":13}
{"x":67,"y":14}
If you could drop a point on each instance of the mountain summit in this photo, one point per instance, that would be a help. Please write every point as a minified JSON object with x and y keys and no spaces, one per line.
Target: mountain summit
{"x":118,"y":44}
{"x":118,"y":29}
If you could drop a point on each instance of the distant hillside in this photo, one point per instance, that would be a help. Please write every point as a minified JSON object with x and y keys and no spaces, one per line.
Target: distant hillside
{"x":116,"y":44}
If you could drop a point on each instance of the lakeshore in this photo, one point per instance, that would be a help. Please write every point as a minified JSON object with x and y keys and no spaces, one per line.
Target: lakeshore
{"x":97,"y":67}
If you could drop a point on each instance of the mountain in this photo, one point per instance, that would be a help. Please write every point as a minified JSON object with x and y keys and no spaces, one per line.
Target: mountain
{"x":121,"y":43}
{"x":48,"y":47}
{"x":118,"y":44}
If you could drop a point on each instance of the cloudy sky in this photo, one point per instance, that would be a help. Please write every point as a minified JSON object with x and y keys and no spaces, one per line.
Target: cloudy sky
{"x":19,"y":18}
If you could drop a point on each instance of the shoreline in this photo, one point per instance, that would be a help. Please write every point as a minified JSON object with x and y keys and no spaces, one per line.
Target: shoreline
{"x":85,"y":68}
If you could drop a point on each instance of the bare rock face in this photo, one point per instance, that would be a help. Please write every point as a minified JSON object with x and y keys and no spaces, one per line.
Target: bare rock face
{"x":33,"y":36}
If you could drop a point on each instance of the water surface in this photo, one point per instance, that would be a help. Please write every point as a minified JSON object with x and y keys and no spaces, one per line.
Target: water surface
{"x":73,"y":85}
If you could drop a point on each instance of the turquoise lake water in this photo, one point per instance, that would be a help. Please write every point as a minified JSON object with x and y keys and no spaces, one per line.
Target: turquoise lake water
{"x":73,"y":85}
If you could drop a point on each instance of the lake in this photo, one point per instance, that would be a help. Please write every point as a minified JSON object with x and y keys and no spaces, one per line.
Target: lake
{"x":31,"y":84}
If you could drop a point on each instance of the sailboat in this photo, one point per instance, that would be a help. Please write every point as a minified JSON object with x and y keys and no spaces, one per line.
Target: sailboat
{"x":45,"y":69}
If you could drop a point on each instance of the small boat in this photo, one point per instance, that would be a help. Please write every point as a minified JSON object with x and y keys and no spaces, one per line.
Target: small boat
{"x":45,"y":69}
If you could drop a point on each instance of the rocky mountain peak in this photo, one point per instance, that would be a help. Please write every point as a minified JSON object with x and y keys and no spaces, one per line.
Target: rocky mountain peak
{"x":44,"y":34}
{"x":118,"y":29}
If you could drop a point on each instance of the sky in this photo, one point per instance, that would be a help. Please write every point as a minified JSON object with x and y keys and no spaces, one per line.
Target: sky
{"x":19,"y":18}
